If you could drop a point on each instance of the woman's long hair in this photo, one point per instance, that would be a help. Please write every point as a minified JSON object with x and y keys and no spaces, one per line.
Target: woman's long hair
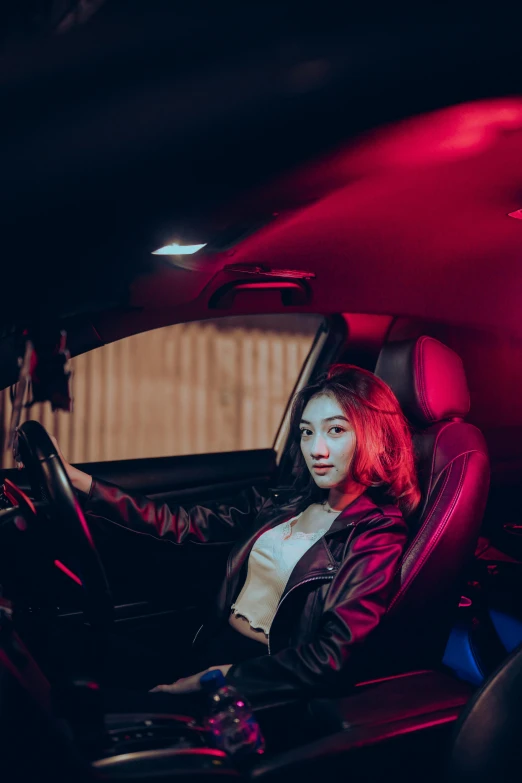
{"x":383,"y":455}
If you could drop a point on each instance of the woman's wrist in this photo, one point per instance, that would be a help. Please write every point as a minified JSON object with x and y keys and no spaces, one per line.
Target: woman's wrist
{"x":80,"y":480}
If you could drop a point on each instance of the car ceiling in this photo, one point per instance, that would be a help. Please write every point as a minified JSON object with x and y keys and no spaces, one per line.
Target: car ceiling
{"x":412,"y":220}
{"x":113,"y":149}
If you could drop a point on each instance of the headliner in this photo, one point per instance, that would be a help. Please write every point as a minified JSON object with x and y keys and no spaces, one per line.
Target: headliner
{"x":410,"y":220}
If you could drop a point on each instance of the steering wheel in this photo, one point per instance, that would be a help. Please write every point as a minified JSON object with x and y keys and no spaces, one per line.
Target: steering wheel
{"x":49,"y":482}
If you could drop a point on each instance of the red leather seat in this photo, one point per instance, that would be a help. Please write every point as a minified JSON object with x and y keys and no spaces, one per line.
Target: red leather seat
{"x":429,"y":381}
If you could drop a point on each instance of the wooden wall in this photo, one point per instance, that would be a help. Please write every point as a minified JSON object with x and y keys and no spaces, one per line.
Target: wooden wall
{"x":184,"y":389}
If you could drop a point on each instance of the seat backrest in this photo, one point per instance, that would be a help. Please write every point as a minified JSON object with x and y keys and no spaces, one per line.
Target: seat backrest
{"x":487,"y":740}
{"x":429,"y":381}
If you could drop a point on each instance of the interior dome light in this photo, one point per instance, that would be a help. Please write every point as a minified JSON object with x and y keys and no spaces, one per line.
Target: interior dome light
{"x":178,"y":250}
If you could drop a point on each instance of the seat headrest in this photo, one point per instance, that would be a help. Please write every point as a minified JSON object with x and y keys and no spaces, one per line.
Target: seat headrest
{"x":427,"y":378}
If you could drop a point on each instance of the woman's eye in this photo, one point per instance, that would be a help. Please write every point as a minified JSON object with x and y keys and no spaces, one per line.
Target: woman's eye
{"x":305,"y":432}
{"x":336,"y":430}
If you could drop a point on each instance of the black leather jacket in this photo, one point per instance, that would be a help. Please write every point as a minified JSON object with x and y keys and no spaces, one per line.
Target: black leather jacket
{"x":336,"y":596}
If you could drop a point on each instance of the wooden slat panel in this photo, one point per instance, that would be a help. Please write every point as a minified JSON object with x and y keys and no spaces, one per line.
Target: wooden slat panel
{"x":185,"y":408}
{"x":202,"y":381}
{"x":246,"y":383}
{"x":76,"y":449}
{"x":278,"y":387}
{"x":185,"y":389}
{"x":262,"y":389}
{"x":124,"y":442}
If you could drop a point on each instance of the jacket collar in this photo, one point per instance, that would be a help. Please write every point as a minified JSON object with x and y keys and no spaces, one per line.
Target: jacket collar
{"x":317,"y":562}
{"x":353,"y":513}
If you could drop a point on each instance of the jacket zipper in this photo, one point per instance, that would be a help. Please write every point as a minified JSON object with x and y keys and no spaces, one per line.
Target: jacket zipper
{"x":324,"y":578}
{"x":305,"y":581}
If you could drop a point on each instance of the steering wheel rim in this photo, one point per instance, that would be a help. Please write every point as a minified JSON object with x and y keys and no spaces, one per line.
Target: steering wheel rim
{"x":49,"y":480}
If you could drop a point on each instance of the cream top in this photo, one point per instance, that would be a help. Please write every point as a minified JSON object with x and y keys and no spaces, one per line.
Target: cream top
{"x":272,"y":560}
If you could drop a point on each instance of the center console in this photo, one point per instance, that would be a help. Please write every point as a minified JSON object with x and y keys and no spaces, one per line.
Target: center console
{"x":389,"y":725}
{"x":149,"y":746}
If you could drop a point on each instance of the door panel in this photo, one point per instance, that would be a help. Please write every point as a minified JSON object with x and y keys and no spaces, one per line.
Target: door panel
{"x":161,"y":592}
{"x":181,"y":476}
{"x":189,"y":476}
{"x":160,"y":588}
{"x":166,"y":574}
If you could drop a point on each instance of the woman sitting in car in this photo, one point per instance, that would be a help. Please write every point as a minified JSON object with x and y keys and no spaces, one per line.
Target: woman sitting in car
{"x":308,"y":581}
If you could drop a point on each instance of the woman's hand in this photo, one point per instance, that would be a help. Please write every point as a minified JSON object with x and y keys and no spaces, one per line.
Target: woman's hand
{"x":189,"y":684}
{"x":80,"y":480}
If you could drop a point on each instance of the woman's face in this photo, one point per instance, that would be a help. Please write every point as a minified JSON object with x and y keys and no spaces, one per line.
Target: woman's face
{"x":327,"y":442}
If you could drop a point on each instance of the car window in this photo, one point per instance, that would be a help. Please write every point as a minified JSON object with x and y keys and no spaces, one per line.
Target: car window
{"x":195,"y":388}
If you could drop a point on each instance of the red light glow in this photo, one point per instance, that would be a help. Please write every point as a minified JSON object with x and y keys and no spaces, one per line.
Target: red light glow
{"x":446,"y":135}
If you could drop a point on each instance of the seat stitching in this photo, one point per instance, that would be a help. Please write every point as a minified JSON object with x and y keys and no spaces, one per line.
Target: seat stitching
{"x":450,"y":463}
{"x":462,"y":454}
{"x":439,"y":433}
{"x":449,"y":512}
{"x":428,"y":550}
{"x":443,"y":524}
{"x":441,"y":528}
{"x":434,"y":508}
{"x":422,"y":391}
{"x":426,"y":521}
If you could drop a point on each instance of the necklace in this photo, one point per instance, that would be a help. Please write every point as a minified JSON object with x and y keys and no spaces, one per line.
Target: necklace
{"x":329,"y":509}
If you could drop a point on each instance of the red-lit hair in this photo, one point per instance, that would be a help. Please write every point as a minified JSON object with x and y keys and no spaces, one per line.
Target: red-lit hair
{"x":384,"y":451}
